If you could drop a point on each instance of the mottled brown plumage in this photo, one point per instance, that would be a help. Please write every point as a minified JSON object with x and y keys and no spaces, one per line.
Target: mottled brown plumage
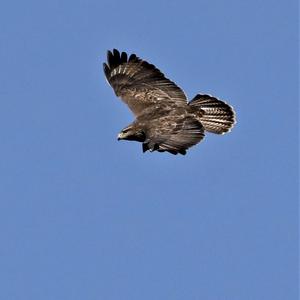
{"x":165,"y":121}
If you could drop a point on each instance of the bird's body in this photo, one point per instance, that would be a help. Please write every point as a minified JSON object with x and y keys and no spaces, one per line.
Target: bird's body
{"x":165,"y":120}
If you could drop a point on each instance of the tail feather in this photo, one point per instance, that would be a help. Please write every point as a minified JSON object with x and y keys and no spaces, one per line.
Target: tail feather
{"x":218,"y":117}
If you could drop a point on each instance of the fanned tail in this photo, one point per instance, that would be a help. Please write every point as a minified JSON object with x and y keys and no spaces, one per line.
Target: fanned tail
{"x":218,"y":117}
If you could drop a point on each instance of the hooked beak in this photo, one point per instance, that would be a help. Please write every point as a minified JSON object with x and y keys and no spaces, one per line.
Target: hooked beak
{"x":120,"y":136}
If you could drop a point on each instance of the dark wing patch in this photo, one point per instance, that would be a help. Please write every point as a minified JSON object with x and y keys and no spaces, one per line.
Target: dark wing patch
{"x":140,"y":84}
{"x":174,"y":134}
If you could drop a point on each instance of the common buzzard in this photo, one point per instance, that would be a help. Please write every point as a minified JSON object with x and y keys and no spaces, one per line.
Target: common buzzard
{"x":165,"y":120}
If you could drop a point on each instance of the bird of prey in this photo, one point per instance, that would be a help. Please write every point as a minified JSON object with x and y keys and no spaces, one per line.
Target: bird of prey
{"x":164,"y":119}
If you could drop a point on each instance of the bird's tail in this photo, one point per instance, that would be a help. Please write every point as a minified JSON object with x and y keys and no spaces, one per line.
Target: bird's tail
{"x":217,"y":116}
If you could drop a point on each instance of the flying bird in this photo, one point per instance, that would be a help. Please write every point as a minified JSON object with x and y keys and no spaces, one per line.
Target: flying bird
{"x":164,"y":119}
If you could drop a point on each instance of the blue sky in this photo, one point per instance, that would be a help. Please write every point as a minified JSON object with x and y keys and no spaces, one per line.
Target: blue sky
{"x":83,"y":216}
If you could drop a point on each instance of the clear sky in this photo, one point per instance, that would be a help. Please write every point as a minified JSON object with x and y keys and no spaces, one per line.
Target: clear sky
{"x":83,"y":216}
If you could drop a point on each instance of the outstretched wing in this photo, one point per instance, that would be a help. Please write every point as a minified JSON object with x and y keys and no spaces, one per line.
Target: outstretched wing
{"x":174,"y":134}
{"x":140,"y":84}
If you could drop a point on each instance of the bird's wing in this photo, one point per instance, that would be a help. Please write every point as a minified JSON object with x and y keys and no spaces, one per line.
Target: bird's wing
{"x":175,"y":134}
{"x":140,"y":84}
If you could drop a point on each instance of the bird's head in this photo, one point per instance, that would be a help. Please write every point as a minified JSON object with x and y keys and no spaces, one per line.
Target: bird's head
{"x":132,"y":133}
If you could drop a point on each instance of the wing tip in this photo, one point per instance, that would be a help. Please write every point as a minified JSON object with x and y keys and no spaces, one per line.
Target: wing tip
{"x":116,"y":58}
{"x":106,"y":69}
